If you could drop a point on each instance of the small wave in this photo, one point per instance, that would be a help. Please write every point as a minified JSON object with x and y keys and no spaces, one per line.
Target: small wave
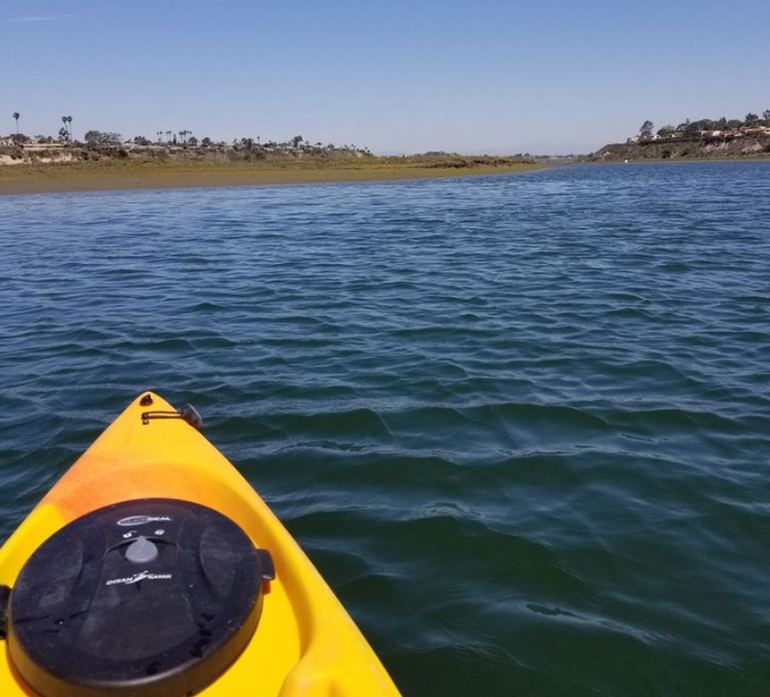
{"x":365,"y":423}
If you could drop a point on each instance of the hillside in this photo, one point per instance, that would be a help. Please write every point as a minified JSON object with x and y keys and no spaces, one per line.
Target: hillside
{"x":77,"y":168}
{"x":745,"y":142}
{"x":36,"y":153}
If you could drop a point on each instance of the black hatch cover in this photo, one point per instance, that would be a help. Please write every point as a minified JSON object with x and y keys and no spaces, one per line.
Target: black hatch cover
{"x":147,"y":598}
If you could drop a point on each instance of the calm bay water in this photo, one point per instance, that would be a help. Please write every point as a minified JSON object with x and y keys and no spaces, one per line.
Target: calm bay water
{"x":521,"y":424}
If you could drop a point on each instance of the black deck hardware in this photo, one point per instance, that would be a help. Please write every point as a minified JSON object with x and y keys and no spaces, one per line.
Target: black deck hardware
{"x":144,"y":598}
{"x":187,"y":413}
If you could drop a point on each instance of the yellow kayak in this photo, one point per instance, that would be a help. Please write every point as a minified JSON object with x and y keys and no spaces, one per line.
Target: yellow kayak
{"x":153,"y":569}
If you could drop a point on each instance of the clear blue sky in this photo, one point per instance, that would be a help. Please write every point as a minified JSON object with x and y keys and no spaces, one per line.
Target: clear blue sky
{"x":395,"y":75}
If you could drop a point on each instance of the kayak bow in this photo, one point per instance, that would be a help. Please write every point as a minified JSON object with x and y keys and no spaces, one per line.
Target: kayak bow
{"x":149,"y":564}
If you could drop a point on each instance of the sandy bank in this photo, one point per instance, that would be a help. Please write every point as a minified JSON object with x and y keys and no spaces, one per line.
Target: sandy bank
{"x":52,"y":178}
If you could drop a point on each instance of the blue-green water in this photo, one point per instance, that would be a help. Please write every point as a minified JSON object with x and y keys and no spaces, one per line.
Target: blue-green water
{"x":521,"y":424}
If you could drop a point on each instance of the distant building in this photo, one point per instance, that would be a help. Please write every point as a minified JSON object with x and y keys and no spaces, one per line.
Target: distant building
{"x":42,"y":146}
{"x":755,"y":130}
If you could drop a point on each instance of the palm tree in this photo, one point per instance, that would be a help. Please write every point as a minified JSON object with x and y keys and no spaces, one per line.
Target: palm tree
{"x":16,"y":116}
{"x":67,"y":120}
{"x":168,"y":136}
{"x":69,"y":125}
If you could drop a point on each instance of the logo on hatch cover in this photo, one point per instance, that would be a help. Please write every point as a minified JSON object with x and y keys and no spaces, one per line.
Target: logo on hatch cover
{"x":134,"y":520}
{"x":141,"y":576}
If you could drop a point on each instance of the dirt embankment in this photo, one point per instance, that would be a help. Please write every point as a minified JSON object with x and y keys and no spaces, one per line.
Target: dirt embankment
{"x":205,"y":168}
{"x":256,"y":155}
{"x":52,"y":154}
{"x":747,"y":147}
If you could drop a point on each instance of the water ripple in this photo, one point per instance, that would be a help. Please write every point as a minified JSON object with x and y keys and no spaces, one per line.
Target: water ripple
{"x":520,"y":423}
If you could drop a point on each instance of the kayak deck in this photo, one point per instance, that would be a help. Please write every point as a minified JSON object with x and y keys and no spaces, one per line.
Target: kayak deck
{"x":305,"y":644}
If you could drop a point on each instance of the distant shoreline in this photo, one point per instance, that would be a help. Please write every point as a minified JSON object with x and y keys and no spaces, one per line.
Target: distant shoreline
{"x":72,"y":177}
{"x":680,"y":161}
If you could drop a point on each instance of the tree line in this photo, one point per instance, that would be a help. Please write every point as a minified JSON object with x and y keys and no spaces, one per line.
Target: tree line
{"x":65,"y":132}
{"x":184,"y":137}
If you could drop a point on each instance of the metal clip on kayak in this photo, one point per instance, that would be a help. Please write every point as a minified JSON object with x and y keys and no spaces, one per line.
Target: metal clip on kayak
{"x":187,"y":413}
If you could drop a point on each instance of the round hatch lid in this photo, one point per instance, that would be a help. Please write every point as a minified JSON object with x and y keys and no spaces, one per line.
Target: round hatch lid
{"x":148,"y":598}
